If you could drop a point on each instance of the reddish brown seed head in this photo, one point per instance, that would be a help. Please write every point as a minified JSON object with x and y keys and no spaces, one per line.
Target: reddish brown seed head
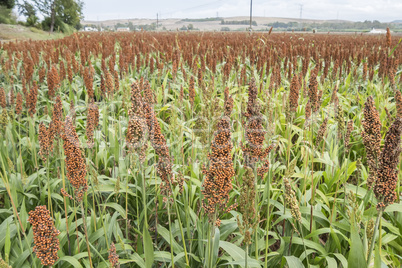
{"x":45,"y":235}
{"x":75,"y":163}
{"x":18,"y":106}
{"x":387,"y":174}
{"x":3,"y":102}
{"x":371,"y":135}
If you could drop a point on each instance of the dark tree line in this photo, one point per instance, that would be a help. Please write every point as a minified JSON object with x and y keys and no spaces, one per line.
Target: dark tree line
{"x":55,"y":12}
{"x":238,"y":22}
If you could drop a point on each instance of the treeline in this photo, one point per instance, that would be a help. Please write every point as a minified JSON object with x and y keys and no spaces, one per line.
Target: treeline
{"x":48,"y":15}
{"x":238,"y":22}
{"x":202,"y":20}
{"x":365,"y":25}
{"x":335,"y":25}
{"x":137,"y":27}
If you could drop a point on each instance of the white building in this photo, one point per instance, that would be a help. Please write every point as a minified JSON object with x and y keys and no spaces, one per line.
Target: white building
{"x":378,"y":31}
{"x":123,"y":29}
{"x":90,"y":29}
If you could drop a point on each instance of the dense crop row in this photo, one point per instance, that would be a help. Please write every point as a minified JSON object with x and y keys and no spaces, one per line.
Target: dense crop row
{"x":201,"y":150}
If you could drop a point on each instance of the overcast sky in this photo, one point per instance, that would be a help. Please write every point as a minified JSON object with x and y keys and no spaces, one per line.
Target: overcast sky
{"x":355,"y":10}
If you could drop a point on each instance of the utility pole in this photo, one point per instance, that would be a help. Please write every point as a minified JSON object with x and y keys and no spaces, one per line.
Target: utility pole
{"x":251,"y":14}
{"x":157,"y":20}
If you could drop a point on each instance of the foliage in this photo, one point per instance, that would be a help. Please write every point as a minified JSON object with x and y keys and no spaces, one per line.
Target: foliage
{"x":335,"y":26}
{"x":63,"y":11}
{"x":27,"y":9}
{"x":238,"y":22}
{"x":6,"y":16}
{"x":9,"y":4}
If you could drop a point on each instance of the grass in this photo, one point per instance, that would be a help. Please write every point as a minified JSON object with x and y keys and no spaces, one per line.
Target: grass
{"x":19,"y":32}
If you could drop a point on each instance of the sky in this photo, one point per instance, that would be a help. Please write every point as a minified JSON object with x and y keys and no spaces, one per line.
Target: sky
{"x":353,"y":10}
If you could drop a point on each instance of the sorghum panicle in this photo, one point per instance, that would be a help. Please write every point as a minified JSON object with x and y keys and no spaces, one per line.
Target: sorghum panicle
{"x":218,"y":178}
{"x":18,"y":106}
{"x":312,"y":92}
{"x":321,"y":131}
{"x":3,"y":102}
{"x":57,"y":116}
{"x":255,"y":133}
{"x":371,"y":135}
{"x":291,"y":200}
{"x":388,"y":37}
{"x":45,"y":235}
{"x":89,"y":81}
{"x":11,"y":97}
{"x":398,"y":101}
{"x":91,"y":124}
{"x":387,"y":173}
{"x":308,"y":111}
{"x":44,"y":141}
{"x":246,"y":205}
{"x":75,"y":163}
{"x":341,"y":121}
{"x":294,"y":94}
{"x":181,"y":94}
{"x":109,"y":84}
{"x":32,"y":99}
{"x":349,"y":129}
{"x":191,"y":91}
{"x":113,"y":257}
{"x":228,"y":103}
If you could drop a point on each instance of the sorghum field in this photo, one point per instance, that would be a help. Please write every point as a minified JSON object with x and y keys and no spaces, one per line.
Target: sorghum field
{"x":201,"y":150}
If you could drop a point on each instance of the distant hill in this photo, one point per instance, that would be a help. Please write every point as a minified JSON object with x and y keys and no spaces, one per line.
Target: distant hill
{"x":240,"y":23}
{"x":205,"y":24}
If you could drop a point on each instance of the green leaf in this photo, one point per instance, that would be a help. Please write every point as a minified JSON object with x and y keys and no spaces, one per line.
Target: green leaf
{"x":7,"y":245}
{"x":292,"y":262}
{"x":342,"y":259}
{"x":331,"y":262}
{"x":165,"y":234}
{"x":118,"y":208}
{"x":215,"y":249}
{"x":307,"y":243}
{"x":21,"y":258}
{"x":23,"y":215}
{"x":148,"y":248}
{"x":71,"y":260}
{"x":250,"y":263}
{"x":356,"y":254}
{"x":134,"y":258}
{"x":394,"y":207}
{"x":234,"y":251}
{"x":377,"y":258}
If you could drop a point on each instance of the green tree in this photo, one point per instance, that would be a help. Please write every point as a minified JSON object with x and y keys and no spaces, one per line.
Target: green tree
{"x":6,"y":7}
{"x":9,"y":4}
{"x":70,"y":12}
{"x":48,"y":9}
{"x":66,"y":11}
{"x":26,"y":9}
